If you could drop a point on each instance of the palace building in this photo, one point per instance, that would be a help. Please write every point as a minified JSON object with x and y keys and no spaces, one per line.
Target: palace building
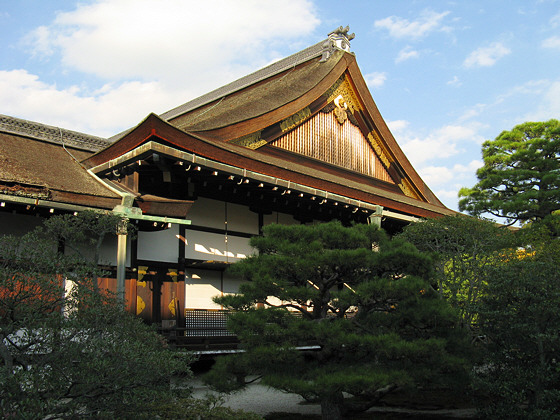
{"x":299,"y":141}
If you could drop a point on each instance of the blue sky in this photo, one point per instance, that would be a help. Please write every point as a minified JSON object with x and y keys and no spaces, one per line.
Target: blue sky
{"x":446,"y":75}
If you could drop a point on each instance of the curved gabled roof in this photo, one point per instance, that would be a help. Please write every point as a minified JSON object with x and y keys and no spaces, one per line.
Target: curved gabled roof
{"x":257,"y":99}
{"x":255,"y":110}
{"x":179,"y":145}
{"x":264,"y":124}
{"x":249,"y":80}
{"x":245,"y":125}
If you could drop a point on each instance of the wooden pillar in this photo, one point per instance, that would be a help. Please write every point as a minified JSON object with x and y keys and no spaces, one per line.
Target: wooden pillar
{"x":181,"y":276}
{"x":375,"y":218}
{"x":121,"y":260}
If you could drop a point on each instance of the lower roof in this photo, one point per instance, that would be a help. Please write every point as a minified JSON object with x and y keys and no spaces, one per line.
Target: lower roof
{"x":31,"y":167}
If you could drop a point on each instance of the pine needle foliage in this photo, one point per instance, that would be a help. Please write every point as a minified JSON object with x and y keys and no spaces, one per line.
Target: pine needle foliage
{"x":329,"y":311}
{"x":73,"y":352}
{"x":520,"y":179}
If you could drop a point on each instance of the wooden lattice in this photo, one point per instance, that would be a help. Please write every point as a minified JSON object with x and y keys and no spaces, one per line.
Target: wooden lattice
{"x":206,"y":323}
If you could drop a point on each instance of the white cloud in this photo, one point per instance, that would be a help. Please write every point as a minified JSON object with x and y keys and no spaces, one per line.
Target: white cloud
{"x":176,"y":42}
{"x":486,"y":56}
{"x":532,"y":92}
{"x":555,"y":20}
{"x":148,"y":56}
{"x":532,"y":87}
{"x":472,"y":112}
{"x":552,"y":42}
{"x":406,"y":54}
{"x":454,"y":82}
{"x":447,"y":158}
{"x":436,"y":176}
{"x":441,"y":143}
{"x":446,"y":181}
{"x":398,"y":126}
{"x":449,"y":196}
{"x":375,"y":79}
{"x":443,"y":157}
{"x":109,"y":110}
{"x":548,"y":104}
{"x":38,"y":42}
{"x":534,"y":100}
{"x":421,"y":150}
{"x":428,"y":21}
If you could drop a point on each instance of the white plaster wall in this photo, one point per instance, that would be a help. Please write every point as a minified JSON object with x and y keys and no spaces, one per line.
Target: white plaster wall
{"x":241,"y":219}
{"x":213,"y":246}
{"x":161,"y":245}
{"x":19,"y":224}
{"x":200,"y":287}
{"x":287,"y":219}
{"x":231,"y":284}
{"x":108,"y":253}
{"x":208,"y":213}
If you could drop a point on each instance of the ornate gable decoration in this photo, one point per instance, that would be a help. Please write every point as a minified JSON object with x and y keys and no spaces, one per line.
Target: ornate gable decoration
{"x":342,"y":91}
{"x":333,"y":139}
{"x":251,"y":141}
{"x":334,"y":135}
{"x":336,"y":129}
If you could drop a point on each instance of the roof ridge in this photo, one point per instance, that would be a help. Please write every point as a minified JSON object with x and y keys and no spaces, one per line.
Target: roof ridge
{"x":277,"y":67}
{"x":52,"y":134}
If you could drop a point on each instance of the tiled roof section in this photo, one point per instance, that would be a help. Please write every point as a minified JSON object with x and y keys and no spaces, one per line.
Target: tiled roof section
{"x":262,"y":74}
{"x":52,"y":134}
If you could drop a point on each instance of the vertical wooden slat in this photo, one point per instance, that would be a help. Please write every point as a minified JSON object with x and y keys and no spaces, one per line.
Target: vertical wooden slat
{"x":130,"y":295}
{"x":324,"y":138}
{"x":110,"y":285}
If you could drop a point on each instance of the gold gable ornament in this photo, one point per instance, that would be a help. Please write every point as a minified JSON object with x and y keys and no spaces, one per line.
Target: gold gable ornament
{"x":340,"y":110}
{"x":407,"y":189}
{"x":333,"y":141}
{"x":379,"y":148}
{"x":344,"y":89}
{"x":251,"y":141}
{"x":295,"y":119}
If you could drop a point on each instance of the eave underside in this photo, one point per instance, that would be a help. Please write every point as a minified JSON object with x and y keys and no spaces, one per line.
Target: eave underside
{"x":259,"y":167}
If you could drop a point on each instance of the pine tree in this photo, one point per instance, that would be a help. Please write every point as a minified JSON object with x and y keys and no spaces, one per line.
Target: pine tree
{"x":520,"y":179}
{"x":328,"y":311}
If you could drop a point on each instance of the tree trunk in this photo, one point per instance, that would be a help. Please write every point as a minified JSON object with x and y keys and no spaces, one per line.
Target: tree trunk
{"x":6,"y":356}
{"x":331,"y":406}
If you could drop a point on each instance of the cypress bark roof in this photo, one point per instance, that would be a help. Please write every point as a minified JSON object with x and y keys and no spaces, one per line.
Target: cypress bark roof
{"x":249,"y":80}
{"x":36,"y":163}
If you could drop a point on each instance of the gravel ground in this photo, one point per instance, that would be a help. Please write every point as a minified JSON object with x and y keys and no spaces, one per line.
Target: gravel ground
{"x":263,"y":400}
